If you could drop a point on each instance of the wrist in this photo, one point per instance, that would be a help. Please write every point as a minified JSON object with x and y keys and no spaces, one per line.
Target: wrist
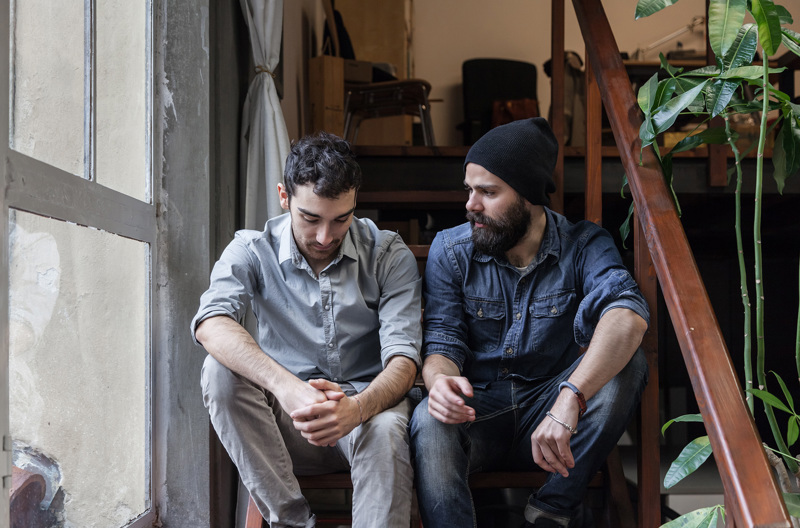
{"x":576,"y":394}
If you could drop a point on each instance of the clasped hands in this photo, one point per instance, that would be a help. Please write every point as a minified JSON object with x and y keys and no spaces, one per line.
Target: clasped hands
{"x":549,"y":442}
{"x":321,"y":411}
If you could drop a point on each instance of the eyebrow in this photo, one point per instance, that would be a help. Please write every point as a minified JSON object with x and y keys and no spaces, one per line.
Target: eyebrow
{"x":483,"y":187}
{"x":315,"y":215}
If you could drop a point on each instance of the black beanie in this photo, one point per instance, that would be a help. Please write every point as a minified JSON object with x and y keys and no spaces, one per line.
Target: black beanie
{"x":521,"y":153}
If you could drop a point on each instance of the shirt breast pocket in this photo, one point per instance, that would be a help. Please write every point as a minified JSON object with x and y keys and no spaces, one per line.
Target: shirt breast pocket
{"x":552,"y":318}
{"x":485,"y":323}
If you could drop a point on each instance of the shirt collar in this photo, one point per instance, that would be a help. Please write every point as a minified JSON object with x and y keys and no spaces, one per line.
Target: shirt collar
{"x":288,"y":248}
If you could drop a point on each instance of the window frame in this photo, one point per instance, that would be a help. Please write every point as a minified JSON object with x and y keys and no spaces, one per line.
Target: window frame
{"x":36,"y":187}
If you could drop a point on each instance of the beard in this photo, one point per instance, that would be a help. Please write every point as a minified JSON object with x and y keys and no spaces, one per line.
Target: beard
{"x":499,"y":235}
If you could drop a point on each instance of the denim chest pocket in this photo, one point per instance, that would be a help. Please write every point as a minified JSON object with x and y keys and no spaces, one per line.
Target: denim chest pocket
{"x":552,"y":319}
{"x":485,"y":323}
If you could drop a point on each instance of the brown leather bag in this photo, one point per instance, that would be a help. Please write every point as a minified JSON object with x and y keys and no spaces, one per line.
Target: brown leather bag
{"x":509,"y":110}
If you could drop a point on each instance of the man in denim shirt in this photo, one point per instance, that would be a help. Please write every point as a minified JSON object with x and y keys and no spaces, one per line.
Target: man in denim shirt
{"x":337,"y":303}
{"x":510,"y":300}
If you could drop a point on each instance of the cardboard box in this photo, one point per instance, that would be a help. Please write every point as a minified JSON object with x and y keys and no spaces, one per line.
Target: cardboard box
{"x":356,"y":71}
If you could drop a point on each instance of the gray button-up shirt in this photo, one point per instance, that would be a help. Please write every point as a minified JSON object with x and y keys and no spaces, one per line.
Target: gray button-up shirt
{"x":343,"y":325}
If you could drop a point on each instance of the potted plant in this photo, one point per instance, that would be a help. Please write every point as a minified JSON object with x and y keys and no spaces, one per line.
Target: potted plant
{"x":719,"y":91}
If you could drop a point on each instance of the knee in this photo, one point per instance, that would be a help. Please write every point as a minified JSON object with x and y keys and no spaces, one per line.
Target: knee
{"x":217,"y":382}
{"x":429,"y":435}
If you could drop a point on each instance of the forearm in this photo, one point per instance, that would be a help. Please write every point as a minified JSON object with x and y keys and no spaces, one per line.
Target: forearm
{"x":230,"y":344}
{"x":616,"y":338}
{"x":388,"y":388}
{"x":436,"y":366}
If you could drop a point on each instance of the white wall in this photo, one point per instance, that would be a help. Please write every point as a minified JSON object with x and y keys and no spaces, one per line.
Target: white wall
{"x":445,"y":33}
{"x":448,"y":32}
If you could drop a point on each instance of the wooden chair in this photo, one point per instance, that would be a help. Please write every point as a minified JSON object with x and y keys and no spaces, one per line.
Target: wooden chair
{"x":390,"y":98}
{"x":617,"y":513}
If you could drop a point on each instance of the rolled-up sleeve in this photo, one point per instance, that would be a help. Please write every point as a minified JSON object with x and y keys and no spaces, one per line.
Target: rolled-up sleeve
{"x":400,"y":308}
{"x":606,"y":284}
{"x":234,"y":280}
{"x":445,"y":328}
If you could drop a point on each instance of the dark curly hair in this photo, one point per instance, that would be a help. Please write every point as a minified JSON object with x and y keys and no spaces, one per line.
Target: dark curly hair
{"x":324,"y":160}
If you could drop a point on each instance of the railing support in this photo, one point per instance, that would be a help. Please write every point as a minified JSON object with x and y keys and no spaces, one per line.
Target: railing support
{"x":754,"y":496}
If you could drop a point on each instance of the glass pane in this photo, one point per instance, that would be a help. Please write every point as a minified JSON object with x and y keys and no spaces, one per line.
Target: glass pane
{"x":78,"y":369}
{"x":47,"y":82}
{"x":122,"y":141}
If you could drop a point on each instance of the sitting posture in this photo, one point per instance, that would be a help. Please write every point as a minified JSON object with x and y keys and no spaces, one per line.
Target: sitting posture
{"x":323,"y":387}
{"x":510,"y":300}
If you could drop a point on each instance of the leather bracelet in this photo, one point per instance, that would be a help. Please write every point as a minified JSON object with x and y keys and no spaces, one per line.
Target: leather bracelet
{"x":578,"y":395}
{"x":569,"y":428}
{"x":360,"y":411}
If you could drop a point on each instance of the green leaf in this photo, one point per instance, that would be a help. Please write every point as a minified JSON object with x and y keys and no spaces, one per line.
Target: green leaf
{"x":784,"y":15}
{"x":791,"y":40}
{"x":691,"y":458}
{"x":786,"y":393}
{"x":625,"y":228}
{"x":665,"y":116}
{"x":792,"y":501}
{"x":786,"y":153}
{"x":743,"y":49}
{"x":664,"y":92}
{"x":705,"y":71}
{"x":672,"y":70}
{"x":792,"y":431}
{"x":647,"y":94}
{"x":748,"y":72}
{"x":725,"y":17}
{"x":645,"y":8}
{"x":719,"y":95}
{"x":701,"y":518}
{"x":768,"y":398}
{"x":683,"y":418}
{"x":769,"y":25}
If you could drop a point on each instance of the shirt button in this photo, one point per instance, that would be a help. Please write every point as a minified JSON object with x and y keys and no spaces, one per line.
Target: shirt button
{"x":480,"y":312}
{"x":330,"y":345}
{"x":518,"y":316}
{"x":553,"y":310}
{"x":509,"y":351}
{"x":504,"y":371}
{"x":324,"y":273}
{"x":327,"y":306}
{"x":335,"y":379}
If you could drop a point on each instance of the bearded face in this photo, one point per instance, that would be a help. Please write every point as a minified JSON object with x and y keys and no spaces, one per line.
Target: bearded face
{"x":495,"y":236}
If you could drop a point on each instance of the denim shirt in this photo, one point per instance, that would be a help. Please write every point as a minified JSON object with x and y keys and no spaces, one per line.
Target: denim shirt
{"x":496,"y":322}
{"x":343,"y":325}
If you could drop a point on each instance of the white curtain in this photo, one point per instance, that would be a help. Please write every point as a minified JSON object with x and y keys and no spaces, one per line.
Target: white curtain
{"x":264,"y":142}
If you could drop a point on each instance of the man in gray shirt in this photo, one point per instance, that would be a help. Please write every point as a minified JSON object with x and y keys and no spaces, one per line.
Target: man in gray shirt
{"x":323,"y":387}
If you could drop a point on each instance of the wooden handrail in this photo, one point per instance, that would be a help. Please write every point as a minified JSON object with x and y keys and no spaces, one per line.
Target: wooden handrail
{"x":754,"y":498}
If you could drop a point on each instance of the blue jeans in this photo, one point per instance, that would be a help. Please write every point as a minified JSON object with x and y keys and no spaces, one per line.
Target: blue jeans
{"x":507,"y":413}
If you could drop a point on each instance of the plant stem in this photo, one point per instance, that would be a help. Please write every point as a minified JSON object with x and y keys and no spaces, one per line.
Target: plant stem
{"x":748,"y":343}
{"x":762,"y":378}
{"x":797,"y":335}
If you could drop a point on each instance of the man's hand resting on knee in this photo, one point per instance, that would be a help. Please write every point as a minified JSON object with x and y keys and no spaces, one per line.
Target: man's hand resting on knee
{"x":324,"y":423}
{"x":550,"y":440}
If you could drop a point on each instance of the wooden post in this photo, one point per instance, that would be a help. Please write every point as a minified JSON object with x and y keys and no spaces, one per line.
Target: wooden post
{"x":557,"y":100}
{"x":649,"y":456}
{"x":594,"y":155}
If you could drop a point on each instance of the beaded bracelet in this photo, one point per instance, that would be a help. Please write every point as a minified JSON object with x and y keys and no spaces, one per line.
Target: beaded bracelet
{"x":565,"y":424}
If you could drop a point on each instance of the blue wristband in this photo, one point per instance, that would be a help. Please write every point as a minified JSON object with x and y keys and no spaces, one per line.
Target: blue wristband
{"x":578,"y":395}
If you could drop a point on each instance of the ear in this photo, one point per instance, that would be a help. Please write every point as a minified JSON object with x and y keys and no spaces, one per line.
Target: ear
{"x":284,"y":196}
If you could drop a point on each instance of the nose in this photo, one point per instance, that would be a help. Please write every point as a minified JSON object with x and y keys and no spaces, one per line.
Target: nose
{"x":324,"y":236}
{"x":473,"y":202}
